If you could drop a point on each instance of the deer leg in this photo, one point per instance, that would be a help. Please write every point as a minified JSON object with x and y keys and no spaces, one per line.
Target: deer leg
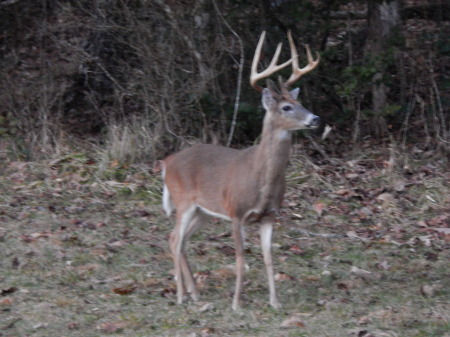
{"x":177,"y":245}
{"x":238,"y":234}
{"x":266,"y":245}
{"x":189,"y":281}
{"x":174,"y":243}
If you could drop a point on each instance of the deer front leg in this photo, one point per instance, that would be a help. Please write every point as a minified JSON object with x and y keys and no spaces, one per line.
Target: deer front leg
{"x":239,"y":245}
{"x":266,"y":245}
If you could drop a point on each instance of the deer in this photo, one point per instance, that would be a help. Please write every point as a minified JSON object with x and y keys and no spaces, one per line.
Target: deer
{"x":244,"y":186}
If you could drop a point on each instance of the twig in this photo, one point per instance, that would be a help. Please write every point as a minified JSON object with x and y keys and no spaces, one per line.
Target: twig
{"x":239,"y":81}
{"x":409,"y":111}
{"x":317,"y":147}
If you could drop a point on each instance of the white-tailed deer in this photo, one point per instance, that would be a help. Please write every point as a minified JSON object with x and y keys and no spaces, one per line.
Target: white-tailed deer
{"x":242,"y":186}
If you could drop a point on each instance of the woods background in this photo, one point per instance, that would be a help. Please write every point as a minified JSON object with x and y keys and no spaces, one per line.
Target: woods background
{"x":136,"y":80}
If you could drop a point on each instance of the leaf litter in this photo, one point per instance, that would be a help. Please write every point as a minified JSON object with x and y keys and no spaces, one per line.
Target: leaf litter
{"x":84,"y":254}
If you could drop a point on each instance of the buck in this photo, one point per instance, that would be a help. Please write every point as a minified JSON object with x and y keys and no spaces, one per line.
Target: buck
{"x":244,"y":186}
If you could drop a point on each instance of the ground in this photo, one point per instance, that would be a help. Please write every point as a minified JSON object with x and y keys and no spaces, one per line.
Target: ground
{"x":361,"y":248}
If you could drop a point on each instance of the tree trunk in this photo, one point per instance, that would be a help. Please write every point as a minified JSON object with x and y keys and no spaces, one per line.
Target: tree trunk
{"x":382,"y":18}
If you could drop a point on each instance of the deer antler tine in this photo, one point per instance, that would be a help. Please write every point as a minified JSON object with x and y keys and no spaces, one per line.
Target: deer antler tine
{"x":298,"y":72}
{"x":275,"y":57}
{"x":258,"y":52}
{"x":256,"y":57}
{"x":294,"y":54}
{"x":308,"y":54}
{"x":272,"y":68}
{"x":310,"y":58}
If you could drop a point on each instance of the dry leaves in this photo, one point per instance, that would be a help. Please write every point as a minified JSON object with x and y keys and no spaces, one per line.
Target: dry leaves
{"x":112,"y":327}
{"x":280,"y":277}
{"x":295,"y":321}
{"x":125,"y":289}
{"x":319,"y":208}
{"x":364,"y":274}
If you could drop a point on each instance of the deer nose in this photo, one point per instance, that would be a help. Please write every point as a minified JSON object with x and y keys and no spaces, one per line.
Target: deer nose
{"x":315,"y":121}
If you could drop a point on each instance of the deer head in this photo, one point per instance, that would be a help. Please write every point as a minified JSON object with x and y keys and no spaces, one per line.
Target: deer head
{"x":280,"y":103}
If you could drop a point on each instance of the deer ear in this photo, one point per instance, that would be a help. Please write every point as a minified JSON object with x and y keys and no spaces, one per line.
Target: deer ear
{"x":267,"y":99}
{"x":294,"y":93}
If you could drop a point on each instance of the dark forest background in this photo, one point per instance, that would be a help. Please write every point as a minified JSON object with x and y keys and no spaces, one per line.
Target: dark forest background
{"x":137,"y":80}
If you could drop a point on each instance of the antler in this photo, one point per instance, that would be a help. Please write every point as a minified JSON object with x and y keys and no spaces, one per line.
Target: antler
{"x":272,"y":68}
{"x":296,"y":71}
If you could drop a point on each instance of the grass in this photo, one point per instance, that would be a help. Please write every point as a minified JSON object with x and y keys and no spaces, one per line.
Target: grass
{"x":84,"y":253}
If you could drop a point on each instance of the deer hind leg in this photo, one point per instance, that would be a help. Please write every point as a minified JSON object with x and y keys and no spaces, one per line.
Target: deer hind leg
{"x":187,"y":223}
{"x":177,"y":245}
{"x":238,"y":233}
{"x":197,"y":220}
{"x":266,"y":245}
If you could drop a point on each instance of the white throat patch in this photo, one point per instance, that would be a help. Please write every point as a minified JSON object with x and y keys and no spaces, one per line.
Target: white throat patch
{"x":283,"y":135}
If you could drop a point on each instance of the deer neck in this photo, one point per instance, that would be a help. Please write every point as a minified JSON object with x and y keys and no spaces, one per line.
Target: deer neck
{"x":272,"y":158}
{"x":274,"y":148}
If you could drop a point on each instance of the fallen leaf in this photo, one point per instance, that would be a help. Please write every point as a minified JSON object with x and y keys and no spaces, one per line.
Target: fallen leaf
{"x":445,"y":231}
{"x":386,"y":198}
{"x":226,"y":250}
{"x":39,"y":326}
{"x":296,"y":215}
{"x":207,"y":332}
{"x":152,"y":282}
{"x":365,"y":274}
{"x":322,"y":302}
{"x":225,"y":273}
{"x":6,"y":302}
{"x":422,"y":223}
{"x":109,"y":327}
{"x":352,"y":235}
{"x":116,"y":245}
{"x":343,"y":286}
{"x":206,"y":307}
{"x":326,"y":273}
{"x":342,"y":191}
{"x":292,"y":322}
{"x":439,"y":220}
{"x":168,"y":292}
{"x":39,"y":235}
{"x":319,"y":207}
{"x":296,"y":249}
{"x":125,"y":289}
{"x":73,"y":326}
{"x":201,"y":277}
{"x":364,"y":320}
{"x":383,"y":265}
{"x":352,"y":176}
{"x":429,"y":290}
{"x":425,"y":239}
{"x":399,"y":186}
{"x":280,"y":277}
{"x":26,"y":238}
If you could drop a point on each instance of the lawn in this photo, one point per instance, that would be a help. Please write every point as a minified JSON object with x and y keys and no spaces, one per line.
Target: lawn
{"x":361,"y":248}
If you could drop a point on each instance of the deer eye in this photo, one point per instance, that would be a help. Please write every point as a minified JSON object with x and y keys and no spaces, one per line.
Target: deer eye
{"x":287,"y":108}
